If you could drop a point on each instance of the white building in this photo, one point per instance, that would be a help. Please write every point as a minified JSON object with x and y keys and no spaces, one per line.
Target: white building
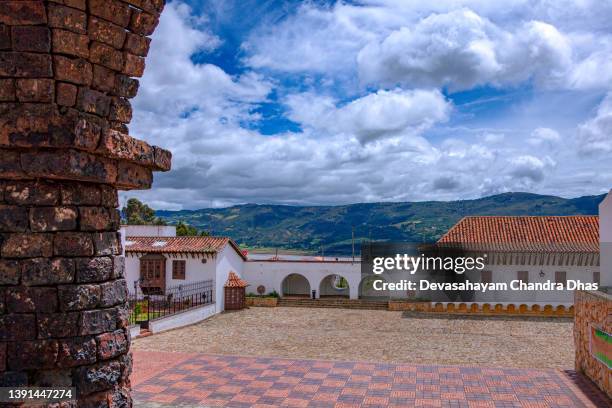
{"x":605,"y":240}
{"x":532,"y":249}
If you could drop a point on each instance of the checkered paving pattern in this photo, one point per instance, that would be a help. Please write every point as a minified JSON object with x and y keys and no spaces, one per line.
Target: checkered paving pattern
{"x":202,"y":380}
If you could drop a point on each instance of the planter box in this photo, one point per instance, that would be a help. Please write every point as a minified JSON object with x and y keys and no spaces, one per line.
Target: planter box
{"x":261,"y":301}
{"x":412,"y":306}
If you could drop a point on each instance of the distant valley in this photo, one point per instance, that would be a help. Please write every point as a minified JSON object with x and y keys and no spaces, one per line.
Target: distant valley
{"x":310,"y":228}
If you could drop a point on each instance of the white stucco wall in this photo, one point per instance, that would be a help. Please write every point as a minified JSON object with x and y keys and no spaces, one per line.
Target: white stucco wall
{"x":149,"y":230}
{"x":185,"y":318}
{"x":195,"y":270}
{"x":605,"y":239}
{"x":272,"y":273}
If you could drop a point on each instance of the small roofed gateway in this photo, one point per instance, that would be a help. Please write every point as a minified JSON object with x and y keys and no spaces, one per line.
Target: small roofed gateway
{"x":234,"y":292}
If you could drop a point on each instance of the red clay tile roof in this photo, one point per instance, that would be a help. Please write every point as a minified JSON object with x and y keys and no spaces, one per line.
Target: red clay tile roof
{"x":207,"y":245}
{"x":527,"y":233}
{"x":233,"y":281}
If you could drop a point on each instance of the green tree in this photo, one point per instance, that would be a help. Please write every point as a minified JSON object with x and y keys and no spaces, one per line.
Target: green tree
{"x":136,"y":212}
{"x":184,"y":230}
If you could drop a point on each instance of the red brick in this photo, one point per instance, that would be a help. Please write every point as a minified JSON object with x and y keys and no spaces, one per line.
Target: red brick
{"x":111,"y":10}
{"x":125,"y":86}
{"x":78,"y":297}
{"x":103,"y":78}
{"x":143,"y":23}
{"x":77,"y":4}
{"x":109,"y":198}
{"x":67,"y":42}
{"x":69,"y":164}
{"x":26,"y":245}
{"x":113,"y":293}
{"x":75,"y":70}
{"x":95,"y":269}
{"x":66,"y":94}
{"x":25,"y":65}
{"x":17,"y":327}
{"x":46,"y":219}
{"x":57,"y":324}
{"x":67,"y":18}
{"x":163,"y":158}
{"x":137,"y":44}
{"x":73,"y":244}
{"x":9,"y":272}
{"x":107,"y":243}
{"x":81,"y":194}
{"x":86,"y":134}
{"x":31,"y":38}
{"x":119,"y":127}
{"x":28,"y":193}
{"x":106,"y":32}
{"x":102,"y":376}
{"x":25,"y":299}
{"x":111,"y":345}
{"x":152,"y":6}
{"x":13,"y":218}
{"x":76,"y":352}
{"x":47,"y":271}
{"x":119,"y":145}
{"x":98,"y":321}
{"x":131,"y":175}
{"x":35,"y":90}
{"x":30,"y":355}
{"x":106,"y":55}
{"x":22,"y":12}
{"x":98,"y":219}
{"x":92,"y":101}
{"x":5,"y":37}
{"x":134,"y":65}
{"x":10,"y":163}
{"x":120,"y":110}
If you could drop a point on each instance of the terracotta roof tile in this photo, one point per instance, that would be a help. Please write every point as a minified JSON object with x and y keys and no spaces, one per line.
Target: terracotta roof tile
{"x":179,"y":244}
{"x":527,"y":233}
{"x":233,"y":281}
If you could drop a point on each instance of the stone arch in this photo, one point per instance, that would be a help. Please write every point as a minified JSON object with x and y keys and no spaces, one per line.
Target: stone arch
{"x":366,"y":290}
{"x":334,"y":285}
{"x":295,"y":284}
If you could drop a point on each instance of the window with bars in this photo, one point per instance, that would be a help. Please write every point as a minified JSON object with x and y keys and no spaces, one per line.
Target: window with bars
{"x":561,"y":277}
{"x":596,"y":278}
{"x":523,"y":276}
{"x":486,"y":276}
{"x":178,"y":269}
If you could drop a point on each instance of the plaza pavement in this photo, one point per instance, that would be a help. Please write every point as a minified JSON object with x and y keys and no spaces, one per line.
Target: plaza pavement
{"x":167,"y":379}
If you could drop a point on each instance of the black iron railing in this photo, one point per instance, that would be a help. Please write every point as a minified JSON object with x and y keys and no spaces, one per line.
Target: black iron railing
{"x":175,"y":299}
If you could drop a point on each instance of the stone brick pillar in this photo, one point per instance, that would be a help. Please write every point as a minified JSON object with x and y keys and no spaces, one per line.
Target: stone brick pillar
{"x":66,"y":69}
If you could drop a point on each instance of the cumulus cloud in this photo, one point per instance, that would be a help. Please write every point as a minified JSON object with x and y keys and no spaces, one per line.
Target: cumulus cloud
{"x":595,"y":134}
{"x":374,"y":116}
{"x":399,"y":142}
{"x":461,"y":49}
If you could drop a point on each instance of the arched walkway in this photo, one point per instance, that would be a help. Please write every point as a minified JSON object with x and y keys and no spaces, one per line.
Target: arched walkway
{"x":334,"y":286}
{"x":367,"y":291}
{"x":296,"y":285}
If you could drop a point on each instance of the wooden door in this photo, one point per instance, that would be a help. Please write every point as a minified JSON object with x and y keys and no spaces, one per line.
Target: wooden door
{"x":153,"y":274}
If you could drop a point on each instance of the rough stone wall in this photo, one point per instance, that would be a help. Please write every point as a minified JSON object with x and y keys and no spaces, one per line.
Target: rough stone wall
{"x":592,"y":308}
{"x":66,"y":76}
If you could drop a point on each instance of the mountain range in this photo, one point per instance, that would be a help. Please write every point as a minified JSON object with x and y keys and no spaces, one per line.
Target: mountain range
{"x":329,"y":228}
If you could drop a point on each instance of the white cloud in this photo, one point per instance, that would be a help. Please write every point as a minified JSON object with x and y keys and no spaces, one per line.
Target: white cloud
{"x":382,"y":145}
{"x":595,"y":135}
{"x":374,"y":116}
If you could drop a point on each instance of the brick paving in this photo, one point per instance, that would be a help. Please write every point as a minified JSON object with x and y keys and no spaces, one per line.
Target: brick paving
{"x":166,"y":379}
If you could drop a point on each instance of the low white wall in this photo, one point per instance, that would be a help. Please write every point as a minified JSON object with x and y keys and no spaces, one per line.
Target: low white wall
{"x":191,"y":316}
{"x":134,"y":330}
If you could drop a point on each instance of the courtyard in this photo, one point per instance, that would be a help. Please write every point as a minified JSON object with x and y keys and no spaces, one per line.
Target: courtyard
{"x":375,"y":336}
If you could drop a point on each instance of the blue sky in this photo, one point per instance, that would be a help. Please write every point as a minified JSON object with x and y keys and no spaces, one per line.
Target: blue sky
{"x":383,"y":100}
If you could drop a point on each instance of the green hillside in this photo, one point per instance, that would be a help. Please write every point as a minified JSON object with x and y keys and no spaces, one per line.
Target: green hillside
{"x":308,"y":228}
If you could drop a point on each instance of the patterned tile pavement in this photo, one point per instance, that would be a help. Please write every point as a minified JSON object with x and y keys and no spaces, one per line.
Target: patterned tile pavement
{"x":163,"y":379}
